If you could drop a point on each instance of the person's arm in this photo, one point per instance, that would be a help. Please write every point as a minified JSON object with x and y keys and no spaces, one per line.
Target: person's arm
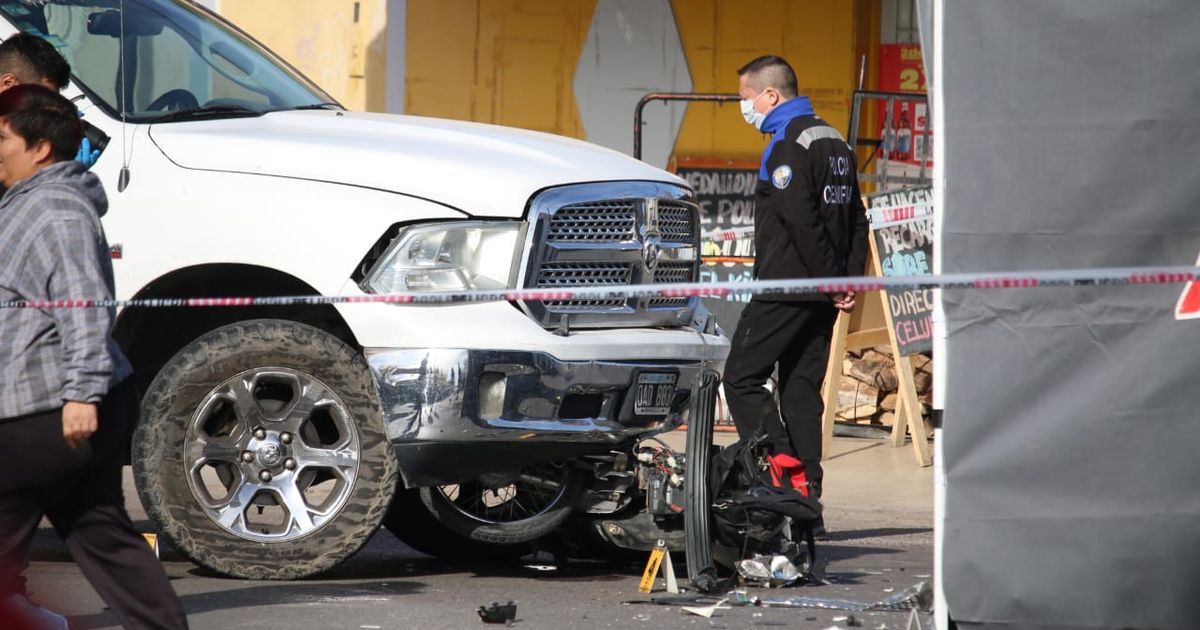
{"x":856,"y":258}
{"x":71,"y":250}
{"x":799,"y":209}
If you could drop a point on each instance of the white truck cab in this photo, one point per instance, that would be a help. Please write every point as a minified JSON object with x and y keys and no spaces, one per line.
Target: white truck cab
{"x":274,"y":438}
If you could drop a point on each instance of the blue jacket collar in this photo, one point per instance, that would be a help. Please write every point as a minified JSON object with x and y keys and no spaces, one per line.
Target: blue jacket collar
{"x":777,"y":121}
{"x":785,"y":112}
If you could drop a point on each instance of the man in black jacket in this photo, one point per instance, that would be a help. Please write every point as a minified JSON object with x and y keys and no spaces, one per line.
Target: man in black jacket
{"x":809,"y":222}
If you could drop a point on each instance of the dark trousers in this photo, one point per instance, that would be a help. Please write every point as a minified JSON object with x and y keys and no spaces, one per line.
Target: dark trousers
{"x":794,"y":336}
{"x":79,"y":490}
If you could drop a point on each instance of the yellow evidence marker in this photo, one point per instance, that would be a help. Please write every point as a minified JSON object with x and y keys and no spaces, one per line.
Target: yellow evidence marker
{"x":659,"y":558}
{"x":152,"y":540}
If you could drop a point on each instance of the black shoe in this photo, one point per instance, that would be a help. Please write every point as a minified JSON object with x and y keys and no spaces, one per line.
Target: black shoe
{"x":818,"y":529}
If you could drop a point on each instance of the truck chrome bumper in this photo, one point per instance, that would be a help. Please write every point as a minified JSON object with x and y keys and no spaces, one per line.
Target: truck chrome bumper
{"x":466,"y":395}
{"x":456,"y":413}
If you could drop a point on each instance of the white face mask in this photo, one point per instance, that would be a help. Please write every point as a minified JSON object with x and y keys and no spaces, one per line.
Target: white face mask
{"x":752,"y":116}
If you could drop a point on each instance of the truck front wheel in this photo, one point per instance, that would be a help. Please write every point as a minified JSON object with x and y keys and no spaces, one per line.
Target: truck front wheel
{"x":262,"y":451}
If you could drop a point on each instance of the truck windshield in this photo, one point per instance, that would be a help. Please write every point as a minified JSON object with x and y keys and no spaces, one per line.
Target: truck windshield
{"x":164,"y":60}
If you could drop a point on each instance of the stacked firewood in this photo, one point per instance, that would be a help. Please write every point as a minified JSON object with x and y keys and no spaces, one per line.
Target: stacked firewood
{"x":868,"y":390}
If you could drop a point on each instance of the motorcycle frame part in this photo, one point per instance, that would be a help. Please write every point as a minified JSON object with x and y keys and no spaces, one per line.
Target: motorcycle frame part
{"x":697,"y":519}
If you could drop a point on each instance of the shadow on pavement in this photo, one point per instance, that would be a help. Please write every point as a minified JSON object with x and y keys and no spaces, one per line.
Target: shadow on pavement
{"x":267,"y":594}
{"x":534,"y":568}
{"x":849,"y":535}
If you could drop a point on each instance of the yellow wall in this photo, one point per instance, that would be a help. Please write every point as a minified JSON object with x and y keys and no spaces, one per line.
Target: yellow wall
{"x":867,"y":44}
{"x":512,"y":62}
{"x":816,"y":36}
{"x":348,"y":59}
{"x":509,"y":62}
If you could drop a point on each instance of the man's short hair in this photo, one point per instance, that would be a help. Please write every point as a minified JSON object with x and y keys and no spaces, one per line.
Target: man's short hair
{"x":32,"y":59}
{"x":772,"y":71}
{"x":37,"y":113}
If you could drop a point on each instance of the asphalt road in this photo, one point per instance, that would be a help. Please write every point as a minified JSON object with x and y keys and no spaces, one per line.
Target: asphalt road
{"x":389,"y":586}
{"x":874,"y":551}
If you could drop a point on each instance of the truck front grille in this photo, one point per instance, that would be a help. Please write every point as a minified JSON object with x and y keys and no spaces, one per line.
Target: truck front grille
{"x":612,"y":234}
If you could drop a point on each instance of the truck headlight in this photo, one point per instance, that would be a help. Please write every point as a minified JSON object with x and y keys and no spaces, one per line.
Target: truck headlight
{"x":448,"y":257}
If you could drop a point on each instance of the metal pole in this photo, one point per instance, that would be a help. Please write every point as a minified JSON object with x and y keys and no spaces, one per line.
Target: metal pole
{"x":885,"y":151}
{"x":669,"y":96}
{"x":925,"y":140}
{"x":855,"y":114}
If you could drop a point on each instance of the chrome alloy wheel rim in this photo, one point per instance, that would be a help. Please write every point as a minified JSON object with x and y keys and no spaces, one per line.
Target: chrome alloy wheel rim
{"x":271,"y":454}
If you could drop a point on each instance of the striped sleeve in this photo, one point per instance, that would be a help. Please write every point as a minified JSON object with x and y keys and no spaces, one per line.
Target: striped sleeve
{"x":68,"y":249}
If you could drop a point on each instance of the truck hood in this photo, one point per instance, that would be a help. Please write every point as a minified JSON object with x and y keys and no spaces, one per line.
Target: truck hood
{"x":483,"y":170}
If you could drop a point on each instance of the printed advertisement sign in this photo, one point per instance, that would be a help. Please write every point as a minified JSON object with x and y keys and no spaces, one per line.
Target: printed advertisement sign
{"x":902,"y":227}
{"x":905,"y":142}
{"x":726,"y":200}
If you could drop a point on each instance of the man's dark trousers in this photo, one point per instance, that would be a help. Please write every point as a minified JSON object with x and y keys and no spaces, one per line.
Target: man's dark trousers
{"x":794,"y":335}
{"x":79,"y":490}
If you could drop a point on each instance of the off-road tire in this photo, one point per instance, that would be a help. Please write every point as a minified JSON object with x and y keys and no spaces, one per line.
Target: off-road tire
{"x":189,"y":378}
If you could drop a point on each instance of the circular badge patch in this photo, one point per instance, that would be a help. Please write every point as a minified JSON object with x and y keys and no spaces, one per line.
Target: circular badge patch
{"x":782,"y":176}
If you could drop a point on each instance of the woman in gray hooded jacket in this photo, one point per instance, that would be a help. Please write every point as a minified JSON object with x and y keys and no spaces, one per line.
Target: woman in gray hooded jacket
{"x":67,"y":404}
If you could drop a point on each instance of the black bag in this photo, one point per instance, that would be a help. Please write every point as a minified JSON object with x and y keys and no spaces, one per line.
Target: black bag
{"x":748,"y":514}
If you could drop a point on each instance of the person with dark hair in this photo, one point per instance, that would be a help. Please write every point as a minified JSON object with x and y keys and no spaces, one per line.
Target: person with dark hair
{"x":28,"y":59}
{"x":809,"y":222}
{"x":67,"y":404}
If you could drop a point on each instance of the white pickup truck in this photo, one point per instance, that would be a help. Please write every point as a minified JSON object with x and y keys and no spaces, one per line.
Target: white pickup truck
{"x":274,"y":438}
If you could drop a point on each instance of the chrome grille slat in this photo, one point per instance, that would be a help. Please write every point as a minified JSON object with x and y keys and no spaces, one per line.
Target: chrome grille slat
{"x":671,"y":273}
{"x":676,"y":223}
{"x":583,"y":274}
{"x":599,"y":222}
{"x":587,"y":274}
{"x":583,"y":306}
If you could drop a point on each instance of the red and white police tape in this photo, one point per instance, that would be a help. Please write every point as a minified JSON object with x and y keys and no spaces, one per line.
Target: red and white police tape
{"x":731,"y":234}
{"x":879,"y":217}
{"x":1004,"y":280}
{"x":891,"y":215}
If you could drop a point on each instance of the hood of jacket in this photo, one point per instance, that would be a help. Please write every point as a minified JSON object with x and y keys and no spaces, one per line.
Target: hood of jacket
{"x":68,"y":173}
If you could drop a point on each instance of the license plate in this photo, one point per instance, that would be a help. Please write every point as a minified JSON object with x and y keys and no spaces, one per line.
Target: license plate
{"x":653,"y":393}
